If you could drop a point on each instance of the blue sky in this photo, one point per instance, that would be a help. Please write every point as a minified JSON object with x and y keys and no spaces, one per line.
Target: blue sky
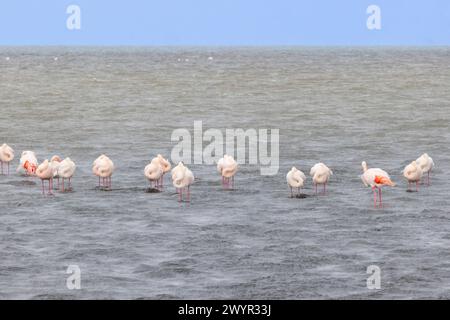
{"x":225,"y":22}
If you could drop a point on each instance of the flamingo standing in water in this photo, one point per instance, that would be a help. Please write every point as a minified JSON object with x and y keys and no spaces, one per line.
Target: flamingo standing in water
{"x":295,"y":179}
{"x":28,"y":164}
{"x":54,"y":163}
{"x":45,"y":172}
{"x":426,"y":163}
{"x":6,"y":156}
{"x":376,"y":179}
{"x":227,"y":167}
{"x":154,"y":172}
{"x":413,"y":173}
{"x":66,"y":170}
{"x":165,"y":166}
{"x":182,"y":178}
{"x":103,"y":168}
{"x":320,"y":174}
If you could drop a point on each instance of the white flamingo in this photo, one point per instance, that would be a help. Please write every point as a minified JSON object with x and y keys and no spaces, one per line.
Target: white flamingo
{"x":6,"y":156}
{"x":413,"y":173}
{"x":295,"y":179}
{"x":165,"y":166}
{"x":153,"y":172}
{"x":45,"y":172}
{"x":182,"y":178}
{"x":54,"y":163}
{"x":103,"y":168}
{"x":320,"y":174}
{"x":66,"y":170}
{"x":227,"y":167}
{"x":426,"y":163}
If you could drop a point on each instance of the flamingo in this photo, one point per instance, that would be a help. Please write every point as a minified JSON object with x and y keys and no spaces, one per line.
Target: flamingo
{"x":66,"y":170}
{"x":28,"y":164}
{"x":182,"y":178}
{"x":413,"y":173}
{"x":320,"y":174}
{"x":103,"y":168}
{"x":227,"y":167}
{"x":426,"y":163}
{"x":165,"y":166}
{"x":154,"y":172}
{"x":54,"y":163}
{"x":376,"y":179}
{"x":295,"y":179}
{"x":6,"y":156}
{"x":45,"y":172}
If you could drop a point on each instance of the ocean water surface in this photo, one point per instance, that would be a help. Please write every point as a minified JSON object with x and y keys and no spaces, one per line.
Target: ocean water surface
{"x":336,"y":105}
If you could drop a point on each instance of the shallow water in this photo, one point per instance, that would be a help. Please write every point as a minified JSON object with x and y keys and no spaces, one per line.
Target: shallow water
{"x":339,"y":106}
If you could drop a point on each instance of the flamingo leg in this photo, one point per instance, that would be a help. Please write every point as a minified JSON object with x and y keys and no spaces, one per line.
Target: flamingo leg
{"x":1,"y":164}
{"x":379,"y":193}
{"x":315,"y":184}
{"x":292,"y":193}
{"x":43,"y":189}
{"x":8,"y":168}
{"x":428,"y":179}
{"x":50,"y":186}
{"x":180,"y":195}
{"x":325,"y":188}
{"x":232,"y":182}
{"x":70,"y":183}
{"x":188,"y":194}
{"x":417,"y":186}
{"x":374,"y":196}
{"x":62,"y":184}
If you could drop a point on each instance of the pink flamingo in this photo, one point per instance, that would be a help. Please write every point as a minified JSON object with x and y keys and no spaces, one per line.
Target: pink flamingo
{"x":376,"y":179}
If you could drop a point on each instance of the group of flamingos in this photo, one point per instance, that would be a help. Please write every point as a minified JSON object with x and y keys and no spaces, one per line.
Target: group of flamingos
{"x":375,"y":178}
{"x":182,"y":177}
{"x":103,"y":168}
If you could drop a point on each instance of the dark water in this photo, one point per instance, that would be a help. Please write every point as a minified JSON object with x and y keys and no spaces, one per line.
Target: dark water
{"x":339,"y":106}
